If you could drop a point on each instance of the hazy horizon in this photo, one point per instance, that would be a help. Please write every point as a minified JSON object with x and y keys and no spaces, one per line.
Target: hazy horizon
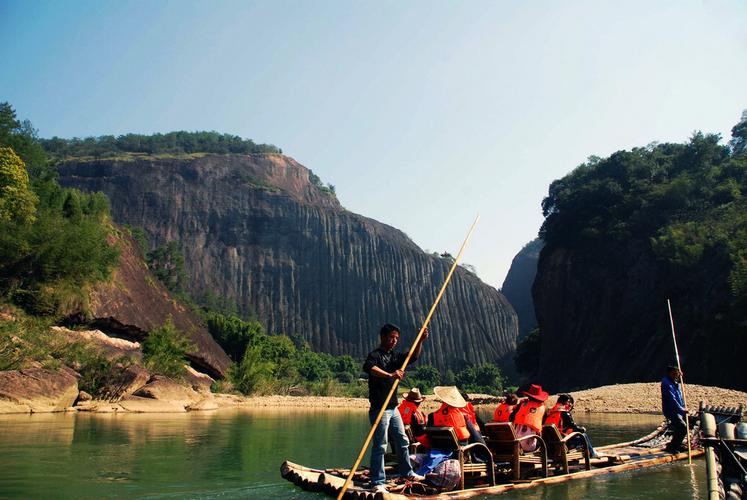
{"x":422,"y":114}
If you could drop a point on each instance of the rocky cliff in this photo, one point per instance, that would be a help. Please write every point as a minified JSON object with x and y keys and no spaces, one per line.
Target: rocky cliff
{"x":254,"y":228}
{"x":134,"y":302}
{"x":517,"y":287}
{"x":604,"y":320}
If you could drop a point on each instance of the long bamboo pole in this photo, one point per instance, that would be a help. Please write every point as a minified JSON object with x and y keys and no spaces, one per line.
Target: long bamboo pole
{"x":682,"y":381}
{"x":407,"y":360}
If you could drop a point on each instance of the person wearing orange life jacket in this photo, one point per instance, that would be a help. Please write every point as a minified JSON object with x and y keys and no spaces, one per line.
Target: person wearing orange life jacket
{"x":450,"y":414}
{"x":412,"y":416}
{"x":470,"y":414}
{"x":560,"y":416}
{"x":503,"y":412}
{"x":529,"y":415}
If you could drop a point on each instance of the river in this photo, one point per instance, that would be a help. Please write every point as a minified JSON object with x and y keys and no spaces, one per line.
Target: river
{"x":237,"y":454}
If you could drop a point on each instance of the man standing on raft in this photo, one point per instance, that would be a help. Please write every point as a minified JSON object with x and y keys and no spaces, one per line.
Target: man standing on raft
{"x":673,"y":408}
{"x":383,"y":368}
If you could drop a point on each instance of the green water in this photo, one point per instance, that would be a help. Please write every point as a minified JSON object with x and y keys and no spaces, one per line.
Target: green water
{"x":237,"y":454}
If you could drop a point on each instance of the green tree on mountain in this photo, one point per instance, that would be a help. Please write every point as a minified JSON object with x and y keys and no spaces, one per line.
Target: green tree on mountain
{"x":17,"y":201}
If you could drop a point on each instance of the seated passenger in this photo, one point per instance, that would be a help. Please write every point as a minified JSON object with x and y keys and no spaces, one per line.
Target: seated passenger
{"x":470,"y":414}
{"x":528,"y":416}
{"x":560,"y":416}
{"x":503,"y":411}
{"x":412,"y":416}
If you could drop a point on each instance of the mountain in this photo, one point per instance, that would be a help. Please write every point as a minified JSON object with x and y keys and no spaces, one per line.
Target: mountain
{"x":517,"y":287}
{"x":625,"y":233}
{"x":261,"y":229}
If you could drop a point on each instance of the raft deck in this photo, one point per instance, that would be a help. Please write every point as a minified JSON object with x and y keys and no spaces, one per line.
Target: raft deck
{"x":645,"y":452}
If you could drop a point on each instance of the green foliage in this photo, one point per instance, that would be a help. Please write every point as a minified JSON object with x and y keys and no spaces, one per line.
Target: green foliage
{"x":17,"y":201}
{"x":485,"y":379}
{"x":167,"y":263}
{"x":424,"y":377}
{"x":234,"y":334}
{"x":165,"y":349}
{"x":59,"y":247}
{"x":28,"y":340}
{"x":180,"y":142}
{"x":738,"y":141}
{"x":328,"y":189}
{"x":251,"y":371}
{"x":22,"y":138}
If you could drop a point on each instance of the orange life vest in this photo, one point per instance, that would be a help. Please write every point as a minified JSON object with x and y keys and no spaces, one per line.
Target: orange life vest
{"x":448,"y":416}
{"x":409,"y":410}
{"x":469,"y":413}
{"x":530,"y":414}
{"x":503,"y":412}
{"x":555,"y":417}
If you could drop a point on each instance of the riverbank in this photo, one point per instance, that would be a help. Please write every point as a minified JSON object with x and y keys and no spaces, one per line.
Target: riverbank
{"x":644,"y":398}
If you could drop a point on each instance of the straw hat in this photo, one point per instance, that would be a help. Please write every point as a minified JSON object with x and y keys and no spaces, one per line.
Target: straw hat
{"x":414,"y":395}
{"x":535,"y":392}
{"x":450,"y":395}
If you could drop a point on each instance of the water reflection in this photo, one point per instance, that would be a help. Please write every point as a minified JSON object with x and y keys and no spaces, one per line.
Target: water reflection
{"x":237,"y":454}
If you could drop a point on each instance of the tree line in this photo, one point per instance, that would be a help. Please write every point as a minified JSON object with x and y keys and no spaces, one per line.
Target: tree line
{"x":180,"y":142}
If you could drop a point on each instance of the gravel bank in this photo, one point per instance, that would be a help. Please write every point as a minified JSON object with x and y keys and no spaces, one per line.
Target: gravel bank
{"x":619,"y":398}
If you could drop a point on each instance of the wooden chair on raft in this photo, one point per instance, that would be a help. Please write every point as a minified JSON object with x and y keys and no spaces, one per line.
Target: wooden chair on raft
{"x":559,"y":453}
{"x":505,"y":446}
{"x":390,"y":458}
{"x":445,"y":438}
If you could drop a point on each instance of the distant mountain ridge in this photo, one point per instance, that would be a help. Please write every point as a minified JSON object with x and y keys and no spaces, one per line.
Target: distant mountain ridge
{"x":261,"y":230}
{"x":517,"y":287}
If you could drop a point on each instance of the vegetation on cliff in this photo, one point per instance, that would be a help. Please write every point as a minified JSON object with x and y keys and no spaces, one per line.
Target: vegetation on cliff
{"x":656,"y":222}
{"x":53,"y":240}
{"x":181,"y":142}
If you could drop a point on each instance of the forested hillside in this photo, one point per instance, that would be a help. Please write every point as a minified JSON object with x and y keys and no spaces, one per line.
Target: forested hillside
{"x":625,"y":233}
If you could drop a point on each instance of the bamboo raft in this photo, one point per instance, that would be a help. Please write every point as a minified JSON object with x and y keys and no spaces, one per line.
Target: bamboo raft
{"x":645,"y":452}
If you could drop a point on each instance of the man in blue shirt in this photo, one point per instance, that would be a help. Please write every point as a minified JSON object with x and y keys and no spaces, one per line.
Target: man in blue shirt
{"x":673,"y":408}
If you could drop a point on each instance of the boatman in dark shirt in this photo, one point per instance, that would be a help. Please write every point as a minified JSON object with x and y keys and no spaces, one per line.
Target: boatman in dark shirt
{"x":673,"y":408}
{"x":383,"y":368}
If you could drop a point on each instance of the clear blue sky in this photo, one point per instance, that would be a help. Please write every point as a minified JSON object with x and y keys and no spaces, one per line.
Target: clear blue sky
{"x":421,"y":113}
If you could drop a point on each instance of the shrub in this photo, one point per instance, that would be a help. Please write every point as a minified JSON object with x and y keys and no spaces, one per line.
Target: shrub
{"x":253,"y":370}
{"x":164,"y":351}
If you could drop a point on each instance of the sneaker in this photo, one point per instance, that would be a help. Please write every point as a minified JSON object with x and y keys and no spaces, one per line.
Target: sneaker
{"x":379,"y":488}
{"x":415,"y":477}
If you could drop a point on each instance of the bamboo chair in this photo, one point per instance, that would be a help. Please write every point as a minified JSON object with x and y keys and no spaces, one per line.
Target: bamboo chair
{"x":506,"y":447}
{"x":414,"y":444}
{"x":445,"y":438}
{"x":558,"y":452}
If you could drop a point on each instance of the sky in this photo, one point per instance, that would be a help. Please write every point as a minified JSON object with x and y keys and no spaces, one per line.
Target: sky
{"x":423,"y":114}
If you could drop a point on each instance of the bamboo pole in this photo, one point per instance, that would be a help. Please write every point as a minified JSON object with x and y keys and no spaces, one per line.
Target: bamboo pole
{"x":407,"y":360}
{"x":682,"y":381}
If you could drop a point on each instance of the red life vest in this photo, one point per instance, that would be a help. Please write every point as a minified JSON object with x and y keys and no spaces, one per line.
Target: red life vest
{"x":530,"y":414}
{"x":555,"y":417}
{"x":503,"y":412}
{"x":469,"y":414}
{"x":448,"y":416}
{"x":408,"y":410}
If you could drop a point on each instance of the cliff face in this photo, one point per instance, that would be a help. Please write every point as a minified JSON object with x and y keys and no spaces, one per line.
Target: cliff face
{"x":517,"y":287}
{"x":135,"y":302}
{"x":256,"y":230}
{"x":603,"y":318}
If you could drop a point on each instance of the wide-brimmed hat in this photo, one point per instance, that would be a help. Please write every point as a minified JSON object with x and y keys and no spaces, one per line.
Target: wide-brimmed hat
{"x":414,"y":395}
{"x":450,"y":395}
{"x":535,"y":392}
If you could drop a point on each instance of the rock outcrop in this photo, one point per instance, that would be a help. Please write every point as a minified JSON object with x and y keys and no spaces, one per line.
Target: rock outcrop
{"x":255,"y":229}
{"x":517,"y":287}
{"x":37,"y":390}
{"x":603,"y":318}
{"x":134,"y":302}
